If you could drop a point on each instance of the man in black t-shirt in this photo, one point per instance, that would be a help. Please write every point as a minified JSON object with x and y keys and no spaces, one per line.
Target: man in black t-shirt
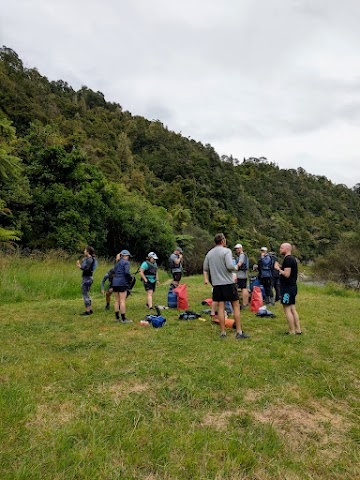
{"x":288,"y":287}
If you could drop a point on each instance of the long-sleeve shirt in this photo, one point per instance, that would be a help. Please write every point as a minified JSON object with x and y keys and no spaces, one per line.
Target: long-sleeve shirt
{"x":108,"y":276}
{"x":122,"y":275}
{"x":219,"y":263}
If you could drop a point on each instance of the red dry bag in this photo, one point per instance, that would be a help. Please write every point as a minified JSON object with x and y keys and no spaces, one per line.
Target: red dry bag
{"x":256,"y":299}
{"x":181,"y":291}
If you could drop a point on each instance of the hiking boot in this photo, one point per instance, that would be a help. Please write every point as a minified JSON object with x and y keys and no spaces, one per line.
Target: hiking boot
{"x":86,"y":313}
{"x":126,"y":320}
{"x":223,"y":335}
{"x":240,"y":336}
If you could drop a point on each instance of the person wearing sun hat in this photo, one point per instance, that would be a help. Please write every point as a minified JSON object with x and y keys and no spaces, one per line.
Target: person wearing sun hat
{"x":150,"y":277}
{"x":121,"y":281}
{"x":242,"y":263}
{"x":175,"y":263}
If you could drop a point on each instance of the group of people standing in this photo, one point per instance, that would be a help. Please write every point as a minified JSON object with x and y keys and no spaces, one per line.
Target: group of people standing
{"x":120,"y":280}
{"x":219,"y":267}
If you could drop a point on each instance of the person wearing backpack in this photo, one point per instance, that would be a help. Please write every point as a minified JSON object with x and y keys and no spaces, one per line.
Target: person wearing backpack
{"x":265,"y":267}
{"x":121,"y":282}
{"x":242,"y":262}
{"x":87,"y":265}
{"x":275,"y":276}
{"x":175,"y":265}
{"x":150,"y":276}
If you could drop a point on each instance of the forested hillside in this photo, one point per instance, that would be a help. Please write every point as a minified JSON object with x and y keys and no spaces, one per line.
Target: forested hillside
{"x":76,"y":169}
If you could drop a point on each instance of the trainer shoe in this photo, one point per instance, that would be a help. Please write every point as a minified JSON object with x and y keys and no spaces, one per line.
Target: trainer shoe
{"x":126,"y":321}
{"x":222,"y":334}
{"x":86,"y":313}
{"x":242,"y":307}
{"x":240,"y":336}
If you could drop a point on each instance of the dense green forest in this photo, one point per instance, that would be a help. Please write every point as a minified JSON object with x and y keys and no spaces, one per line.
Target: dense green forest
{"x":76,"y":169}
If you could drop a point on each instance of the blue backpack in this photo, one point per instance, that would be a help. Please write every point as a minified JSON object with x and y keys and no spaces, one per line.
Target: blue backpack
{"x":266,"y":266}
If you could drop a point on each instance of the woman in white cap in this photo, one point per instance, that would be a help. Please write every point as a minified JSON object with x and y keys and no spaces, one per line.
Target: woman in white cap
{"x":149,"y":275}
{"x":121,"y":281}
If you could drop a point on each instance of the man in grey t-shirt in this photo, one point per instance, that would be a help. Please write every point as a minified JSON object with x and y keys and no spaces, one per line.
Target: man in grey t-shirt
{"x":218,"y":264}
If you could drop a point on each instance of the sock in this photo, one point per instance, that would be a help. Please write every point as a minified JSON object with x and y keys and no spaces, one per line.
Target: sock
{"x":117,"y":315}
{"x":123,"y":316}
{"x":240,"y":332}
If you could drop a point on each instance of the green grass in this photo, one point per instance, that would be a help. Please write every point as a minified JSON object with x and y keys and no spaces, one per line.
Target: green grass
{"x":85,"y":398}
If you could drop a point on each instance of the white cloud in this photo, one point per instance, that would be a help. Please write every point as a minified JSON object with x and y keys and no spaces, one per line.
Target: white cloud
{"x":272,"y":78}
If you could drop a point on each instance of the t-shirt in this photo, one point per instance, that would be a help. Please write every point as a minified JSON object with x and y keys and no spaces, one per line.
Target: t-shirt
{"x":175,"y":268}
{"x":241,"y":273}
{"x":219,"y":263}
{"x":145,"y":266}
{"x":289,"y":262}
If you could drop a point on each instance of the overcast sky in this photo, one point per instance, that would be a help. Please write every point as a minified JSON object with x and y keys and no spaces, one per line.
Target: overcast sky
{"x":273,"y":78}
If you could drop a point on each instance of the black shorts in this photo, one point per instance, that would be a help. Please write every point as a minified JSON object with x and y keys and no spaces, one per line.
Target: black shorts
{"x":176,"y":276}
{"x":120,"y":288}
{"x":225,"y":293}
{"x":288,"y":294}
{"x":150,"y":286}
{"x":241,"y":283}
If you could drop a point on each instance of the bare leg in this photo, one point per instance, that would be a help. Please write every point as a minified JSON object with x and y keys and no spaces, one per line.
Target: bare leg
{"x":149,"y":298}
{"x":296,"y":319}
{"x":214,"y":307}
{"x":236,"y":307}
{"x":108,"y":296}
{"x":245,"y":296}
{"x":221,"y":316}
{"x":290,"y":318}
{"x":117,"y":301}
{"x":122,"y":302}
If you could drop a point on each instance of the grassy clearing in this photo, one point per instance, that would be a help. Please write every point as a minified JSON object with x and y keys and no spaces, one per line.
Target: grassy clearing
{"x":85,"y":398}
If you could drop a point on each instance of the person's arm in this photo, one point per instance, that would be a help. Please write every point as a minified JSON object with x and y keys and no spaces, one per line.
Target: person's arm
{"x":103,"y":282}
{"x":127,"y":271}
{"x":241,"y":260}
{"x":142,"y":274}
{"x":177,"y":259}
{"x":206,"y":270}
{"x":285,"y":271}
{"x":229,"y":261}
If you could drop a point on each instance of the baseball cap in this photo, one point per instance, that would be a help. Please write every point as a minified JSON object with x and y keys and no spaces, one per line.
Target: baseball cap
{"x":179,"y":249}
{"x":263,"y":249}
{"x":153,"y":255}
{"x":238,"y":245}
{"x":125,"y":252}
